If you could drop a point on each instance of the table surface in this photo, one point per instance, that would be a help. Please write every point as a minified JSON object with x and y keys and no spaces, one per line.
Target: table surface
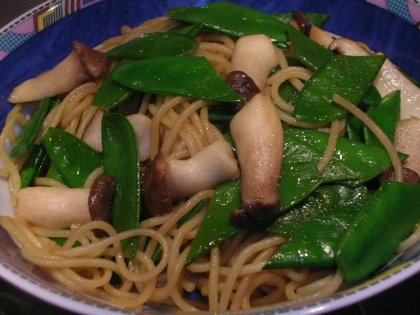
{"x":402,"y":299}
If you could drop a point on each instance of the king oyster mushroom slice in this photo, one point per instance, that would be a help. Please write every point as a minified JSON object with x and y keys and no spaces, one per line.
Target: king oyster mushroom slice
{"x":53,"y":207}
{"x":258,"y":135}
{"x":210,"y":167}
{"x":81,"y":65}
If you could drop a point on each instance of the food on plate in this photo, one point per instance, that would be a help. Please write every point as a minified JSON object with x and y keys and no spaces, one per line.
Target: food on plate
{"x":208,"y":163}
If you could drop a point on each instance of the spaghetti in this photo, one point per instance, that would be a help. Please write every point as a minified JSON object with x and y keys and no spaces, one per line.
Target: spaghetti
{"x":231,"y":275}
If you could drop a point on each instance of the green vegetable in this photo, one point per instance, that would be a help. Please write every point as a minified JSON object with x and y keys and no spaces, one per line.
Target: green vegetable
{"x":308,"y":52}
{"x":367,"y":161}
{"x":315,"y":227}
{"x":385,"y":115}
{"x":154,"y":45}
{"x":122,"y":162}
{"x":349,"y":76}
{"x":73,"y":158}
{"x":385,"y":221}
{"x":190,"y":30}
{"x":296,"y":182}
{"x":30,"y":130}
{"x":111,"y":94}
{"x":317,"y":19}
{"x":186,"y":76}
{"x":32,"y":166}
{"x":232,"y":19}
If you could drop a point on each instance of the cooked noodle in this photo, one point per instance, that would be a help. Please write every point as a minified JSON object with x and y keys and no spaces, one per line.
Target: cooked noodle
{"x":231,"y":275}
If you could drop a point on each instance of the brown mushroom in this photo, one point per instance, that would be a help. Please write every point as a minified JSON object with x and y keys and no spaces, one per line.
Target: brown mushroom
{"x":94,"y":62}
{"x":242,"y":84}
{"x":155,"y":192}
{"x":258,"y":135}
{"x":409,"y":176}
{"x":303,"y":22}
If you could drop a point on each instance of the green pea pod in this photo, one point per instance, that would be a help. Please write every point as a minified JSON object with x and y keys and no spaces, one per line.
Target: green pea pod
{"x":307,"y":51}
{"x":111,"y":94}
{"x":154,"y":45}
{"x":386,"y":220}
{"x":72,"y":157}
{"x":367,"y":161}
{"x":385,"y":115}
{"x":186,"y":76}
{"x":122,"y":161}
{"x":297,"y":181}
{"x":32,"y":166}
{"x":190,"y":30}
{"x":349,"y":76}
{"x":297,"y":150}
{"x":315,"y":227}
{"x":30,"y":130}
{"x":317,"y":19}
{"x":232,"y":19}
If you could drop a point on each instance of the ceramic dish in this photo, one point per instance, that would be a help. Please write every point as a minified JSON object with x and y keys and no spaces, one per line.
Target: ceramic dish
{"x":359,"y":20}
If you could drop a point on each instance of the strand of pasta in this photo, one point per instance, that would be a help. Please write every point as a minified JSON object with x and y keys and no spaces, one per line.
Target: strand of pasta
{"x":186,"y":137}
{"x":377,"y":131}
{"x":287,"y":118}
{"x":277,"y":79}
{"x":156,"y":121}
{"x":332,"y":144}
{"x":74,"y":97}
{"x":265,"y":278}
{"x":240,"y":259}
{"x":173,"y":133}
{"x":213,"y":280}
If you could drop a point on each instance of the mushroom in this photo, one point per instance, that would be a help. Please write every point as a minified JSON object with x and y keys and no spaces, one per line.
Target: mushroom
{"x":100,"y":198}
{"x":81,"y":65}
{"x":242,"y":84}
{"x":302,"y":21}
{"x":258,"y":135}
{"x":53,"y":207}
{"x":256,"y":56}
{"x":172,"y":179}
{"x":141,"y":125}
{"x":407,"y":140}
{"x":93,"y":134}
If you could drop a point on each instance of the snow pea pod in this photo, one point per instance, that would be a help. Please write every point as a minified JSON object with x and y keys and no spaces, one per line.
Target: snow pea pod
{"x":111,"y":94}
{"x":317,"y":19}
{"x":121,"y":161}
{"x":33,"y":165}
{"x":315,"y":227}
{"x":233,"y":19}
{"x":367,"y":161}
{"x":29,"y":132}
{"x":385,"y":115}
{"x":308,"y":52}
{"x":296,"y":182}
{"x":72,"y":157}
{"x":185,"y":76}
{"x":154,"y":45}
{"x":385,"y":221}
{"x":349,"y":76}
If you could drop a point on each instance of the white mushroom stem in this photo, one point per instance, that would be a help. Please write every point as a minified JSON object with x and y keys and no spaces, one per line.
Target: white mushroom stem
{"x":212,"y":166}
{"x":64,"y":77}
{"x":256,"y":56}
{"x":93,"y":134}
{"x":258,"y":135}
{"x":140,"y":123}
{"x":407,"y":140}
{"x":142,"y":126}
{"x":52,"y":207}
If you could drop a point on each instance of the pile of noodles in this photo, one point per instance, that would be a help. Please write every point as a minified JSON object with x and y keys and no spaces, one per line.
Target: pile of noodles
{"x":230,"y":277}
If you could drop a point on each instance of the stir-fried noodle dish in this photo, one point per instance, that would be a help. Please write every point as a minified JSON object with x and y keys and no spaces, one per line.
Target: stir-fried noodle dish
{"x":212,"y":164}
